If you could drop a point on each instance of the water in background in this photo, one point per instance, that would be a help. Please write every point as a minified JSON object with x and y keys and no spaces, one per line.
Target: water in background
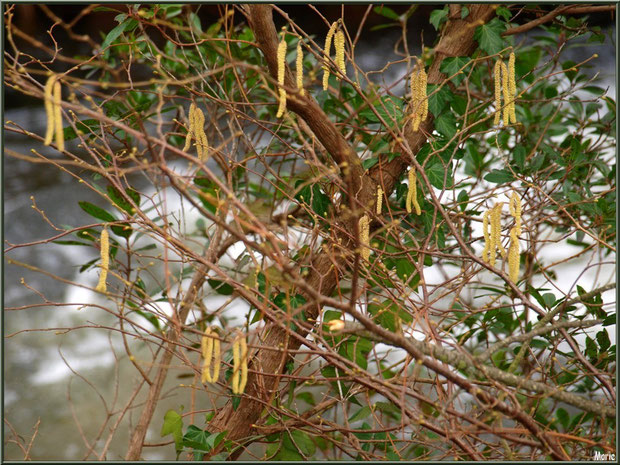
{"x":49,"y":375}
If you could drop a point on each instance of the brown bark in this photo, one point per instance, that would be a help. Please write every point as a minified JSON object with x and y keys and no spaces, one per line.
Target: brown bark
{"x":457,"y":40}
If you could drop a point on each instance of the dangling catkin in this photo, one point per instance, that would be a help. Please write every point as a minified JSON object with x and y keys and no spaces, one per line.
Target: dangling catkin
{"x":105,"y":261}
{"x":412,"y":193}
{"x":216,"y":360}
{"x":339,"y":45}
{"x":207,"y":355}
{"x":60,"y":135}
{"x":514,"y":256}
{"x":236,"y":366}
{"x":512,"y":87}
{"x":419,"y":100}
{"x":422,"y":89}
{"x":326,"y":52}
{"x":496,"y":215}
{"x":190,"y":129}
{"x":199,"y":134}
{"x":505,"y":87}
{"x":299,"y":69}
{"x":364,"y":229}
{"x":515,"y":210}
{"x":49,"y":109}
{"x":244,"y":365}
{"x":497,"y":74}
{"x":379,"y":200}
{"x":281,"y":68}
{"x":210,"y":355}
{"x":487,"y":237}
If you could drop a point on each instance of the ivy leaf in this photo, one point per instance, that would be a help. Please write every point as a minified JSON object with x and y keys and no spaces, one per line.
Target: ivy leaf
{"x":489,"y":36}
{"x":436,"y":173}
{"x":438,"y":17}
{"x":438,"y":100}
{"x":452,"y":65}
{"x":196,"y":438}
{"x":173,"y":424}
{"x":445,"y":124}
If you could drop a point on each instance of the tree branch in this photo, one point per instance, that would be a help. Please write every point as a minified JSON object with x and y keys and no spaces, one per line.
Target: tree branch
{"x":567,"y":9}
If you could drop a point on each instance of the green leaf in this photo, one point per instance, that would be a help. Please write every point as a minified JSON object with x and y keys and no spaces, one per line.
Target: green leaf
{"x":603,"y":340}
{"x":361,"y":414}
{"x":387,"y":12}
{"x":438,"y":100}
{"x":125,"y":25}
{"x":563,"y":417}
{"x":438,"y":17}
{"x":173,"y":424}
{"x":503,"y":12}
{"x":220,"y":287}
{"x":404,"y":269}
{"x":300,"y":439}
{"x":96,"y":212}
{"x":196,"y":438}
{"x":463,"y":199}
{"x":464,"y":12}
{"x":489,"y":36}
{"x":445,"y":124}
{"x":452,"y":65}
{"x":436,"y":173}
{"x":120,"y":201}
{"x":313,"y":196}
{"x":499,"y":176}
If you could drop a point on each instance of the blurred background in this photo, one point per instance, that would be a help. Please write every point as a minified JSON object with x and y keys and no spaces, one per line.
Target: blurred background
{"x":49,"y":375}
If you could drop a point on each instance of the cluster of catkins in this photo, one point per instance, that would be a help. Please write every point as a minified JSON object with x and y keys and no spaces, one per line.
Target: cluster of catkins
{"x":210,"y":350}
{"x":335,"y":35}
{"x":492,"y":244}
{"x":364,"y":222}
{"x":197,"y":132}
{"x":505,"y":84}
{"x":53,"y":99}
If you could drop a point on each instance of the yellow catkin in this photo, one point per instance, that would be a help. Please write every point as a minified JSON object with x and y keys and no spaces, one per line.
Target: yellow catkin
{"x":495,"y":216}
{"x":60,"y":135}
{"x":514,"y":256}
{"x":281,"y":70}
{"x":379,"y":200}
{"x":105,"y":261}
{"x":199,"y":133}
{"x":299,"y":70}
{"x":423,"y":87}
{"x":512,"y":87}
{"x":419,"y":100}
{"x":207,"y":355}
{"x":364,"y":228}
{"x":326,"y":52}
{"x":412,"y":194}
{"x":339,"y":45}
{"x":244,"y":365}
{"x":216,"y":360}
{"x":497,"y":74}
{"x":236,"y":366}
{"x":487,"y":237}
{"x":515,"y":210}
{"x":505,"y":88}
{"x":190,"y":129}
{"x":49,"y":109}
